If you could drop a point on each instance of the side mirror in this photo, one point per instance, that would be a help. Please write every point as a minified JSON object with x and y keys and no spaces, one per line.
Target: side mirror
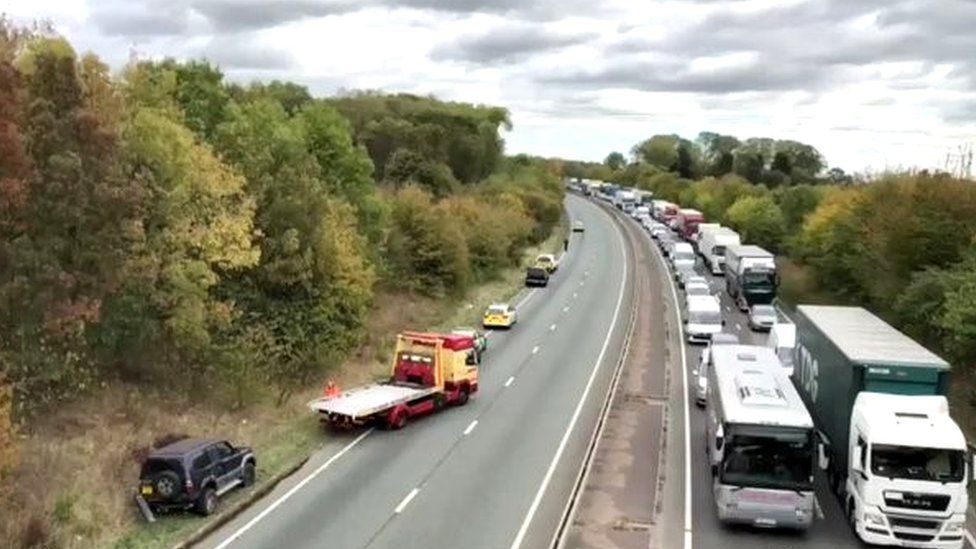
{"x":723,"y":322}
{"x":719,"y":438}
{"x":856,"y":458}
{"x":684,"y":321}
{"x":972,"y":475}
{"x":822,"y":460}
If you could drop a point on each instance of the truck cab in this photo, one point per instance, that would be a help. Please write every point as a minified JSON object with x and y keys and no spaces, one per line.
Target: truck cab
{"x":899,"y":490}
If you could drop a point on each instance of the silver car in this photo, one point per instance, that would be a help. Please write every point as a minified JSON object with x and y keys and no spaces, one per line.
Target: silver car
{"x":701,"y":374}
{"x":762,"y":318}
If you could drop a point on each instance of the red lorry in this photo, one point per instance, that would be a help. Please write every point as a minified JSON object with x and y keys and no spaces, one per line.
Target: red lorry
{"x":430,"y":371}
{"x":687,"y":222}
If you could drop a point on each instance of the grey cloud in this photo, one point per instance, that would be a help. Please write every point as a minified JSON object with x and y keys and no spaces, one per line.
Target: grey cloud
{"x":153,"y":18}
{"x":240,"y":15}
{"x":673,"y":76}
{"x":506,"y":44}
{"x":960,"y":112}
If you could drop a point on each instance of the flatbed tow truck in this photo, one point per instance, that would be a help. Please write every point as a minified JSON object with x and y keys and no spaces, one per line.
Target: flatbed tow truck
{"x":429,"y":372}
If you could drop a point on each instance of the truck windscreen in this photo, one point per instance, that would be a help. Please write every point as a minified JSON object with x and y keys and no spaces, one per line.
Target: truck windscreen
{"x":910,"y":462}
{"x":765,"y":458}
{"x":758,"y":278}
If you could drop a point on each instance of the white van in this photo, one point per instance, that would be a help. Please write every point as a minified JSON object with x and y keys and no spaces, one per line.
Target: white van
{"x":782,"y":339}
{"x":682,"y":256}
{"x":703,"y":318}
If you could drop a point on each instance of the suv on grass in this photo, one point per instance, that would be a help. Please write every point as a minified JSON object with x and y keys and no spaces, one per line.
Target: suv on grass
{"x":193,"y":473}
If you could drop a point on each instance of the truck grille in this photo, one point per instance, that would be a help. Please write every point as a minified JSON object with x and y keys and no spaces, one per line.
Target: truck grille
{"x":914,"y":523}
{"x":913,"y":537}
{"x":912,"y":500}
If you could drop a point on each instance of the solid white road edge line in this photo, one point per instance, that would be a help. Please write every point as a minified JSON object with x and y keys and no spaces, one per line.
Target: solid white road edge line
{"x":406,"y":501}
{"x":970,"y":538}
{"x":509,"y":381}
{"x":471,"y":427}
{"x":517,"y":542}
{"x":687,"y":418}
{"x":817,"y":508}
{"x":250,"y":524}
{"x":525,"y":299}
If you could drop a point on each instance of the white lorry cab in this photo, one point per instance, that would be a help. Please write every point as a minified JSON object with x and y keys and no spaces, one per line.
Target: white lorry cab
{"x":703,"y":318}
{"x":761,"y":441}
{"x":712,"y":244}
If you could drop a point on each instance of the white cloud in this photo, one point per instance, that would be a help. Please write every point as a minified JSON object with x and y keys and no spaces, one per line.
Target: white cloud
{"x":868,"y":82}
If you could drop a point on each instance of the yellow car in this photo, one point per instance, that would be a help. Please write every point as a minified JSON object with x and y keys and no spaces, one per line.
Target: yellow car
{"x":499,"y":315}
{"x":547,"y":262}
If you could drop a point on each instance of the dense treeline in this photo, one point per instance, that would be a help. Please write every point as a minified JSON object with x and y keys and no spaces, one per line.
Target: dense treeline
{"x":163,"y":225}
{"x":903,"y":244}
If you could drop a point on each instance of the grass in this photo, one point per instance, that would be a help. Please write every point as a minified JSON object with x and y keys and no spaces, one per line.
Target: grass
{"x":75,"y":485}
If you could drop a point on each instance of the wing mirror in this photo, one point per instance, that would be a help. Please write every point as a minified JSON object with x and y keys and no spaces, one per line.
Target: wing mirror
{"x":822,"y":460}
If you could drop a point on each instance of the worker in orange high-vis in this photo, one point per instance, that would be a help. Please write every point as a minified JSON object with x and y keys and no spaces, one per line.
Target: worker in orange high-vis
{"x":331,"y":389}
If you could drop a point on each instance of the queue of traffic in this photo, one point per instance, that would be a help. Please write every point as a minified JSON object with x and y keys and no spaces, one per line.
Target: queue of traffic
{"x":834,"y":388}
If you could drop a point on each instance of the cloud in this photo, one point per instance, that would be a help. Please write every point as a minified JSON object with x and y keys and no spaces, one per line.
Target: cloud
{"x":506,"y":44}
{"x":240,"y":15}
{"x":147,"y":19}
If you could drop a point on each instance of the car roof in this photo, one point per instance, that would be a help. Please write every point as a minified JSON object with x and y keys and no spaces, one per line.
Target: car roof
{"x":703,"y":303}
{"x":182,"y":447}
{"x":498,"y":305}
{"x":696,"y":283}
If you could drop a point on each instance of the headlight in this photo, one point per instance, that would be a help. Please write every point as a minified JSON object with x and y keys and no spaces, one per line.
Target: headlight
{"x":874,"y":519}
{"x":954,"y":527}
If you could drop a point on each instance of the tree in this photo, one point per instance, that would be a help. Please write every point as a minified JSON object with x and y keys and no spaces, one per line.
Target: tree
{"x":717,"y":152}
{"x":660,"y":151}
{"x":428,"y":252}
{"x":796,"y":203}
{"x":199,"y":226}
{"x":407,"y":167}
{"x":759,"y":220}
{"x":615,"y":161}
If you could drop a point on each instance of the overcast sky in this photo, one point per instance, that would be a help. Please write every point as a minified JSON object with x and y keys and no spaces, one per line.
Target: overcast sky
{"x":871,"y":83}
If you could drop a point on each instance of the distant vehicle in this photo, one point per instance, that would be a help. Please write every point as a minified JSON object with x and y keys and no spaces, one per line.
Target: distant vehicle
{"x":626,"y":201}
{"x":683,"y":273}
{"x":547,"y":262}
{"x":762,"y":318}
{"x":697,"y":288}
{"x":761,"y":441}
{"x":664,"y":211}
{"x":892,"y":452}
{"x":480,"y":341}
{"x":782,"y":340}
{"x":430,"y":371}
{"x":640,"y":211}
{"x":658,"y":230}
{"x":193,"y":473}
{"x":704,"y":360}
{"x":578,"y":227}
{"x":750,"y":276}
{"x":703,"y":318}
{"x":687,"y":223}
{"x":682,"y":255}
{"x":648,"y":222}
{"x":712,"y":243}
{"x":500,"y":315}
{"x":537,"y":276}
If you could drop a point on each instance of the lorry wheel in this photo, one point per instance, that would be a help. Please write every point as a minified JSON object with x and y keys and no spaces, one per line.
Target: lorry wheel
{"x":462,"y":398}
{"x":398,"y":421}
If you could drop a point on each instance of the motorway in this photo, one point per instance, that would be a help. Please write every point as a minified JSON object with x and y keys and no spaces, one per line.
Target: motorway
{"x":493,"y":474}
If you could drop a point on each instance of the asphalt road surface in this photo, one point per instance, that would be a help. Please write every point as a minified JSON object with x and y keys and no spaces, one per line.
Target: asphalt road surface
{"x":493,"y":474}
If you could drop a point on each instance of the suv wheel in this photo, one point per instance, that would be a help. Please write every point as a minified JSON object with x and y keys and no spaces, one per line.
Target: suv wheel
{"x":167,"y":484}
{"x":207,"y":503}
{"x":247,"y":477}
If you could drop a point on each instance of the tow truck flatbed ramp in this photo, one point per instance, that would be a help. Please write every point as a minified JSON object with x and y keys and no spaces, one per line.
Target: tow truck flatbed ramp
{"x":361,"y":403}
